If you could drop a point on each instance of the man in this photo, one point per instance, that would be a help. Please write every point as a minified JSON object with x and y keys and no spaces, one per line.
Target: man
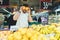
{"x":23,"y":17}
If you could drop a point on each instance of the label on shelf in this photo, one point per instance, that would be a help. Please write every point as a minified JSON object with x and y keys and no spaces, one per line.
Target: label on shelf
{"x":13,"y":28}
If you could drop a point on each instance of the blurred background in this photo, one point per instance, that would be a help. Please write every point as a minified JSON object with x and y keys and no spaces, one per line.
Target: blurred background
{"x":38,"y":8}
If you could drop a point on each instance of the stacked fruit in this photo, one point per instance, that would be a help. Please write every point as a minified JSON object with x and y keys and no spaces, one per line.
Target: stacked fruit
{"x":47,"y":29}
{"x":52,"y":29}
{"x":4,"y":34}
{"x":35,"y":32}
{"x":26,"y":34}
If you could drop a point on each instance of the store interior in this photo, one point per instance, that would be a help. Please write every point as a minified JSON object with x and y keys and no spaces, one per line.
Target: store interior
{"x":44,"y":13}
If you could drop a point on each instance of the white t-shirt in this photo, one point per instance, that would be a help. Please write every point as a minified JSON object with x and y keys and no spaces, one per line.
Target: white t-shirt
{"x":22,"y":21}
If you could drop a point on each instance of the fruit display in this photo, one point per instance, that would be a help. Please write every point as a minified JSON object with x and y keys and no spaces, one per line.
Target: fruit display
{"x":51,"y":31}
{"x":26,"y":34}
{"x":34,"y":32}
{"x":4,"y":34}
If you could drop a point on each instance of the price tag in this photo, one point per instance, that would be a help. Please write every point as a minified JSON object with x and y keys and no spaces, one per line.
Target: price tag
{"x":14,"y":28}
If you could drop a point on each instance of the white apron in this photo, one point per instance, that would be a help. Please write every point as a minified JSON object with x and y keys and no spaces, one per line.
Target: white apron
{"x":22,"y":21}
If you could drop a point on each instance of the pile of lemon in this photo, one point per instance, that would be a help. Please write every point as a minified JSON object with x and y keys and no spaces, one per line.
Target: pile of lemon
{"x":26,"y":34}
{"x":4,"y":34}
{"x":53,"y":28}
{"x":37,"y":32}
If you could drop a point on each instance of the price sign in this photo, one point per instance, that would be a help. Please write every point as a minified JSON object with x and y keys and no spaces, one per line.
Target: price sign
{"x":44,"y":20}
{"x":13,"y":28}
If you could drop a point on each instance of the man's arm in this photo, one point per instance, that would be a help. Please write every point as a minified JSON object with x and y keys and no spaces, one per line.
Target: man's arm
{"x":15,"y":17}
{"x":29,"y":17}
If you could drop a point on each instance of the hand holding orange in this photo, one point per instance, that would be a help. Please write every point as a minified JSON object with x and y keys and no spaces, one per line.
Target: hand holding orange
{"x":27,"y":8}
{"x":23,"y":8}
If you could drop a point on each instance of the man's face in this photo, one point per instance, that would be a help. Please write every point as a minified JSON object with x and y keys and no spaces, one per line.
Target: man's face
{"x":23,"y":9}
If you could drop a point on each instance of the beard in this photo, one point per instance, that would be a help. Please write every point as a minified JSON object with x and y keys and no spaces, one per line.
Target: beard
{"x":24,"y":11}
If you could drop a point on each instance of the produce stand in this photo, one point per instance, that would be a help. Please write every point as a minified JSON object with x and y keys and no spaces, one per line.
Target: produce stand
{"x":48,"y":32}
{"x":36,"y":31}
{"x":56,"y":11}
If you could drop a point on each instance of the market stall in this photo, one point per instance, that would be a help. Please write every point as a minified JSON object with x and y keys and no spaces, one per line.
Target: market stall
{"x":34,"y":32}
